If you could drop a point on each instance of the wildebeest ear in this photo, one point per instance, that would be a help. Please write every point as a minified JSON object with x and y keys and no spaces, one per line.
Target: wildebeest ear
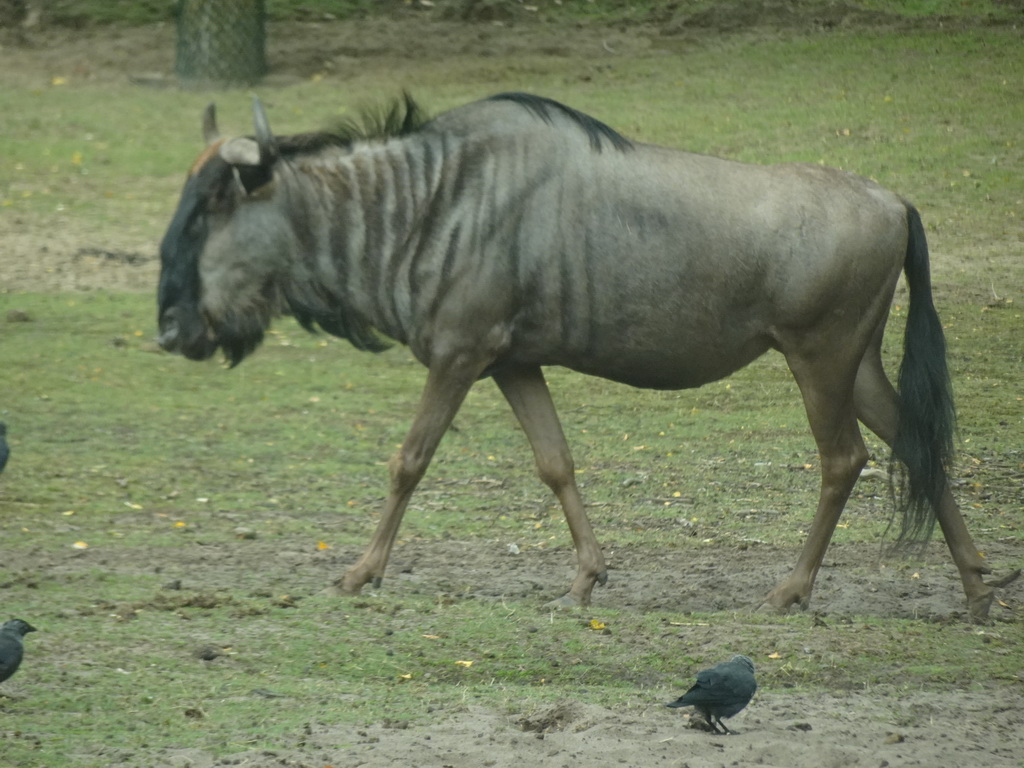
{"x":241,"y":151}
{"x":247,"y":164}
{"x":210,"y":132}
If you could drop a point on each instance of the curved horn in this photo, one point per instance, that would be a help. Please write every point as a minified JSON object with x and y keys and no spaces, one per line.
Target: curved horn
{"x":210,"y":131}
{"x":268,"y":145}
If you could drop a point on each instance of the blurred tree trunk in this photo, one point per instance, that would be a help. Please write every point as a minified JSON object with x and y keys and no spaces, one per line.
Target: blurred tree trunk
{"x":221,"y":42}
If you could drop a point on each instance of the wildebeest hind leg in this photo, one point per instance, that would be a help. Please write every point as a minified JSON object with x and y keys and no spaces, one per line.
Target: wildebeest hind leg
{"x":827,"y":389}
{"x":447,"y":385}
{"x":527,"y":393}
{"x":877,"y":404}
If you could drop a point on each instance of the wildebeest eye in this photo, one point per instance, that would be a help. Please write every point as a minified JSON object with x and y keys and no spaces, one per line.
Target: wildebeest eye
{"x":223,"y":196}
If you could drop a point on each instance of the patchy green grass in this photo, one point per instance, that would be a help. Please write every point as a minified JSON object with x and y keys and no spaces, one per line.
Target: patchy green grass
{"x":266,"y":672}
{"x":938,"y":121}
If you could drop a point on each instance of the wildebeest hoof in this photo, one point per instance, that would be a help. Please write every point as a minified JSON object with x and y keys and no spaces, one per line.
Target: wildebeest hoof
{"x":782,"y":609}
{"x":978,"y":606}
{"x":785,"y":599}
{"x":564,"y":603}
{"x":342,"y":589}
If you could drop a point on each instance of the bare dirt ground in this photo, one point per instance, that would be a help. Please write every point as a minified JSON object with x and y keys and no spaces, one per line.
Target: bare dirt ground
{"x":875,"y":726}
{"x":847,"y":731}
{"x":872,"y":728}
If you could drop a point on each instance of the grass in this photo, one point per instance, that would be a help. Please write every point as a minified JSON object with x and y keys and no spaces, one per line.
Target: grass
{"x":156,"y":463}
{"x":899,"y":126}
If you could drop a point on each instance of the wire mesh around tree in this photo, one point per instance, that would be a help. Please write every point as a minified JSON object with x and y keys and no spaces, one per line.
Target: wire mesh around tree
{"x":221,"y":42}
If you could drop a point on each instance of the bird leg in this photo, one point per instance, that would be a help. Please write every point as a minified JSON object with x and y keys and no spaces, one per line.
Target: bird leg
{"x":706,"y":722}
{"x":725,"y":729}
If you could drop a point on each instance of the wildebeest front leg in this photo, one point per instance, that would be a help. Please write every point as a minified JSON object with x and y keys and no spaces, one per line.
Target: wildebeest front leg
{"x":527,"y":393}
{"x":447,"y":385}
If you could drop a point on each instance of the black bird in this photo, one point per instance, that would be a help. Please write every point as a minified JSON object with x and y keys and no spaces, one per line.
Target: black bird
{"x":12,"y":634}
{"x":4,"y":450}
{"x":721,"y":691}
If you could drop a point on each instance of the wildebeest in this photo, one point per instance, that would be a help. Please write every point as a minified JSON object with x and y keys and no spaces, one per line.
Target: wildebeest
{"x":515,"y":233}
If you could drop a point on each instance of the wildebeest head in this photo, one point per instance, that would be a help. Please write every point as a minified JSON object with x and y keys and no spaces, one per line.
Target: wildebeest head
{"x":225,"y":248}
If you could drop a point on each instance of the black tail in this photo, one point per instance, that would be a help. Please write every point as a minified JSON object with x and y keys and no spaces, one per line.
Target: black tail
{"x":927,"y":415}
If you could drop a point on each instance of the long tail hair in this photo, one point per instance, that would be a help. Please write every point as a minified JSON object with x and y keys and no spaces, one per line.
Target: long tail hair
{"x":925,"y":430}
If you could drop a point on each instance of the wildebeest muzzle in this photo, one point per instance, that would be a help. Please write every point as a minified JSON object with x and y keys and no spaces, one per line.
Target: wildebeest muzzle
{"x":185,"y":332}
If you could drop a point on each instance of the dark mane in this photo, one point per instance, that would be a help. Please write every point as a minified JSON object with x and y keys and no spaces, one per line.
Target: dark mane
{"x":596,"y":130}
{"x":403,"y":116}
{"x":399,"y":118}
